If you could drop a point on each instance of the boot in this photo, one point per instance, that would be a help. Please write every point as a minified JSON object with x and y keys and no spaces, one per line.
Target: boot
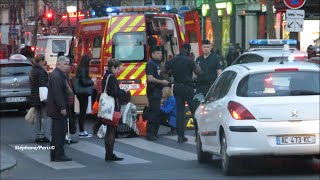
{"x":112,"y":157}
{"x":182,"y":139}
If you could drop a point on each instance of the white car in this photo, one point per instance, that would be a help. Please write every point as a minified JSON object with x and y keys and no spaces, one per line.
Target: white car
{"x":260,"y":109}
{"x":271,"y":56}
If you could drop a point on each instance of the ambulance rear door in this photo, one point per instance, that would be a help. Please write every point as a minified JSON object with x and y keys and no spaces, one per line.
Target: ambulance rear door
{"x":192,"y":32}
{"x":127,"y":41}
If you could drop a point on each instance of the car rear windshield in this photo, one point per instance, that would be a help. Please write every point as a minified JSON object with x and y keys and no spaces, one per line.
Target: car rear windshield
{"x":15,"y":70}
{"x":288,"y":83}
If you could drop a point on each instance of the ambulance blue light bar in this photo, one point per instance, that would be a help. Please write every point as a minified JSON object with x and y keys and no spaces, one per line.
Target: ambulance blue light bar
{"x":274,"y":42}
{"x":159,"y":8}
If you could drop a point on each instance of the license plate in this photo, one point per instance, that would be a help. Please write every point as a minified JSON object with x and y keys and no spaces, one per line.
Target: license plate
{"x":129,"y":86}
{"x":283,"y":140}
{"x":16,"y":99}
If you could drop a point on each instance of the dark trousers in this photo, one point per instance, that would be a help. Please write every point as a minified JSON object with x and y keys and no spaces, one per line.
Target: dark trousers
{"x":182,"y":94}
{"x":154,"y":114}
{"x":109,"y":139}
{"x":83,"y":102}
{"x":58,"y":137}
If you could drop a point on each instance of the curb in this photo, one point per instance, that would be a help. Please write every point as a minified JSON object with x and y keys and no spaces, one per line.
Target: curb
{"x":7,"y":161}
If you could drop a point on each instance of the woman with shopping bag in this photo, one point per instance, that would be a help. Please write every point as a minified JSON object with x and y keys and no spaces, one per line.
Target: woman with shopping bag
{"x":110,"y":85}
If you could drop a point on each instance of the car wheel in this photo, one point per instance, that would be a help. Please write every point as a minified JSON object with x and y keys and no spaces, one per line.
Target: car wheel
{"x":228,"y":164}
{"x":203,"y":157}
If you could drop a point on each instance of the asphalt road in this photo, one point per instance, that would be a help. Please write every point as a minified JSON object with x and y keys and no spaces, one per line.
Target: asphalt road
{"x":163,"y":159}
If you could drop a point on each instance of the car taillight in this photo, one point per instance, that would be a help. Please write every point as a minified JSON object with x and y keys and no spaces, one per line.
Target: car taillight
{"x":33,"y":48}
{"x":239,"y":112}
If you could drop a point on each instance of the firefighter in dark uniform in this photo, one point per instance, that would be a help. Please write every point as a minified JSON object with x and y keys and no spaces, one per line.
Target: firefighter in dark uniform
{"x":181,"y":68}
{"x":211,"y":68}
{"x":155,"y":83}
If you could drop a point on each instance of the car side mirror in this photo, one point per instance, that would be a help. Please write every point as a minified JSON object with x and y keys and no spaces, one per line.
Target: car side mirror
{"x":199,"y":97}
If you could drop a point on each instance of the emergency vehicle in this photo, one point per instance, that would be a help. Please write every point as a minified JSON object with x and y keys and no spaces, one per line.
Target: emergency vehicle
{"x":124,"y":36}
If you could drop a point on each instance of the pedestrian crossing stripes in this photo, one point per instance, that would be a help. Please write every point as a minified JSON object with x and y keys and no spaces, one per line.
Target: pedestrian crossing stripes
{"x":159,"y":148}
{"x":191,"y":139}
{"x":99,"y":151}
{"x":41,"y":153}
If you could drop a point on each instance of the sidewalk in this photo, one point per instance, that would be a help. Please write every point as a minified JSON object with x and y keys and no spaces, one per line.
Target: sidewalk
{"x":7,"y":161}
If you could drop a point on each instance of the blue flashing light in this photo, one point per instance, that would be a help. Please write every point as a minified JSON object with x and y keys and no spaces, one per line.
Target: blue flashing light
{"x":275,"y":42}
{"x":110,"y":10}
{"x":168,"y":7}
{"x":290,"y":42}
{"x":93,"y":13}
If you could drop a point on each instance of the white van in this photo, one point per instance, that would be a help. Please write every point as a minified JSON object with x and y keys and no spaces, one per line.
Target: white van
{"x":50,"y":46}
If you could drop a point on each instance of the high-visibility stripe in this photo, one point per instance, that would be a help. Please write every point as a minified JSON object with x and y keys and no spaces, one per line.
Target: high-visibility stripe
{"x":117,"y":27}
{"x":141,"y":29}
{"x":182,"y":36}
{"x":134,"y":72}
{"x":94,"y":22}
{"x":126,"y":71}
{"x":189,"y":22}
{"x":134,"y":23}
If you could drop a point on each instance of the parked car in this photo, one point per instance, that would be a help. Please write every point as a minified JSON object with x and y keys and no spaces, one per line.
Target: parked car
{"x":271,"y":56}
{"x":14,"y":82}
{"x":260,"y":109}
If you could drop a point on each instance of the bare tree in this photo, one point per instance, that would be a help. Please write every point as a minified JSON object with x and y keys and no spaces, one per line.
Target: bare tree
{"x":36,"y":19}
{"x":216,"y":24}
{"x":21,"y":5}
{"x":270,"y":20}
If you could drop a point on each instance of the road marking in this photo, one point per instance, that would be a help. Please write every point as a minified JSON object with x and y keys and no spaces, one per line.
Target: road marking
{"x":99,"y":151}
{"x":158,"y":148}
{"x":41,"y":155}
{"x":191,"y":139}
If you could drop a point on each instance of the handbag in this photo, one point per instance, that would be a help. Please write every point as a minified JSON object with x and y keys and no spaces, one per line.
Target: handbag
{"x":43,"y":93}
{"x":80,"y":89}
{"x":31,"y":115}
{"x":106,"y":104}
{"x":114,"y":121}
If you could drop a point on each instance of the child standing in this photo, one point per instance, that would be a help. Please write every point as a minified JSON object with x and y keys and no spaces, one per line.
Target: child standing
{"x":168,"y":108}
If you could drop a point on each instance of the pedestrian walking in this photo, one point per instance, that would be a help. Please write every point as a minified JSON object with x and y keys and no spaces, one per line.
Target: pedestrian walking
{"x":155,"y":83}
{"x":82,"y":75}
{"x":57,"y":107}
{"x":211,"y":67}
{"x":39,"y":78}
{"x":182,"y":67}
{"x":230,"y":55}
{"x":114,"y":91}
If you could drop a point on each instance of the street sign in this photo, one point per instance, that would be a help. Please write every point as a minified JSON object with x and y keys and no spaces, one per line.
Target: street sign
{"x":53,"y":30}
{"x":294,"y":20}
{"x":295,"y":14}
{"x":294,"y":4}
{"x":183,"y":9}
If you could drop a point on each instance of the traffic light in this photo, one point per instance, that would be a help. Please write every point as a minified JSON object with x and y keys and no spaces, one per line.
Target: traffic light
{"x":205,"y":9}
{"x":49,"y":18}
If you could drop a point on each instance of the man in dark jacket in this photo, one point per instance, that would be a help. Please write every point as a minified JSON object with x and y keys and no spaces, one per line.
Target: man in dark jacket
{"x":39,"y":78}
{"x":155,"y":83}
{"x":57,"y":104}
{"x":182,"y":67}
